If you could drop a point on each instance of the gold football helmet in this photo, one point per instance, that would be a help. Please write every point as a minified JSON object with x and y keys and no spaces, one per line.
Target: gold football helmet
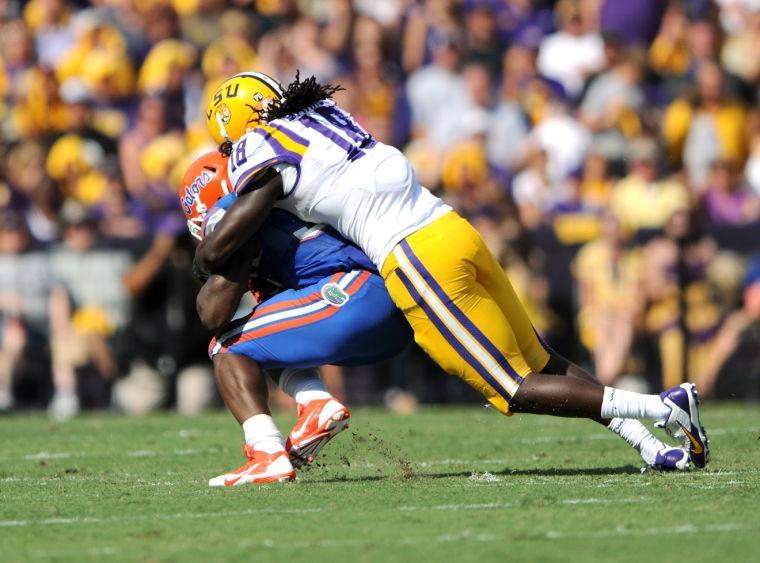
{"x":240,"y":104}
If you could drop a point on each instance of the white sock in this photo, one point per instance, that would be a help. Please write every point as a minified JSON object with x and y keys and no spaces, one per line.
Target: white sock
{"x":6,"y":398}
{"x":262,"y":435}
{"x":627,"y":404}
{"x":638,"y":436}
{"x":303,"y":385}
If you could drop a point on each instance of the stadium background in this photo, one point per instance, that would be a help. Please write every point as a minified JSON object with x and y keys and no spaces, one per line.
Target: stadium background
{"x":608,"y":150}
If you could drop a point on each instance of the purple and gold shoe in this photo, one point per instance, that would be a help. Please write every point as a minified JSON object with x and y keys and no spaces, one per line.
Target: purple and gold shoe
{"x":671,"y":459}
{"x":683,"y":422}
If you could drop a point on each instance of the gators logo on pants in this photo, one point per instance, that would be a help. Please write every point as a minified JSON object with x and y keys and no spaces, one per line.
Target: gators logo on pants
{"x":333,"y":294}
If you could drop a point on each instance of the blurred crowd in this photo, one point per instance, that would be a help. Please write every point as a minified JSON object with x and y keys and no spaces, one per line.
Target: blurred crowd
{"x":608,"y":151}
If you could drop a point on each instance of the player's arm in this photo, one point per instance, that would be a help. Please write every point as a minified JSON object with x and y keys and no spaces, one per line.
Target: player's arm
{"x":220,"y":295}
{"x":241,"y":222}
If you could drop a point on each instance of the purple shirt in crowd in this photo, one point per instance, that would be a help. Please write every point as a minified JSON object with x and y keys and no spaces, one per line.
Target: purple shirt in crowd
{"x":635,"y":21}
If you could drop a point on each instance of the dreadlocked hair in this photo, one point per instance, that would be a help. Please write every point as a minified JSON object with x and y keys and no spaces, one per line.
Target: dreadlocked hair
{"x":301,"y":94}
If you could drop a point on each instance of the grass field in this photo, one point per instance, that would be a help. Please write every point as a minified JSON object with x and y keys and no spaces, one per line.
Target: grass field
{"x":444,"y":484}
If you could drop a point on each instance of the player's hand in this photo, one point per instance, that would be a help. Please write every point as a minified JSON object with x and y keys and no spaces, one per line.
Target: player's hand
{"x":198,"y":273}
{"x":198,"y":270}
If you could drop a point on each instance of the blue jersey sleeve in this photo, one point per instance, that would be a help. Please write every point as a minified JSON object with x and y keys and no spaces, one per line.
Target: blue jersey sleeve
{"x":294,"y":253}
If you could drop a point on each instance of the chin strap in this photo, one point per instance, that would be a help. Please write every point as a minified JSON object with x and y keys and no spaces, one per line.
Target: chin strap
{"x":222,"y":128}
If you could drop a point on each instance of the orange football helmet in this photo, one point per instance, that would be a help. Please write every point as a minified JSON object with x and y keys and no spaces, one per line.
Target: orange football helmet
{"x":205,"y":183}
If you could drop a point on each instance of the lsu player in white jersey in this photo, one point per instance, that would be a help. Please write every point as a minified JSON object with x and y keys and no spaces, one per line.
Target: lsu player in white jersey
{"x":297,"y":150}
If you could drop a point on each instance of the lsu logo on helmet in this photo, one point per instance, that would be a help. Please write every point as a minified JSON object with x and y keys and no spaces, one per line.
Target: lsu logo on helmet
{"x":223,"y":113}
{"x":240,"y":104}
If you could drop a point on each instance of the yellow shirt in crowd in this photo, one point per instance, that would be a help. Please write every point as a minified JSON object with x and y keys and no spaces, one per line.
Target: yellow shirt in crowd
{"x":639,"y":204}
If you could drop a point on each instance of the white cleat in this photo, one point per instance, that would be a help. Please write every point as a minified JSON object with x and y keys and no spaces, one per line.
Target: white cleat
{"x":64,"y":406}
{"x":683,"y":422}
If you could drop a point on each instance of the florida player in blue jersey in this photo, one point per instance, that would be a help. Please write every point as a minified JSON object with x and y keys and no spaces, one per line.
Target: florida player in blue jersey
{"x":323,"y":302}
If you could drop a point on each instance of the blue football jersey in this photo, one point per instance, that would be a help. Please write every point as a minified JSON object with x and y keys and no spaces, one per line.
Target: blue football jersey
{"x":294,"y":253}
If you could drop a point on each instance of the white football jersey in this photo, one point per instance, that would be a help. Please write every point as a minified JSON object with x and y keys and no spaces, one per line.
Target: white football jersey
{"x":334,"y":172}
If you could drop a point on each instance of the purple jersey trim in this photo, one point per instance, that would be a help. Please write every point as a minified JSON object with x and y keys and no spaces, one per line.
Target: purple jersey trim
{"x":277,"y":147}
{"x":285,"y":159}
{"x":295,"y":137}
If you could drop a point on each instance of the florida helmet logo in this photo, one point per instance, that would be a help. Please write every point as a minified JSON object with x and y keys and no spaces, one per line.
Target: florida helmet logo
{"x":193,"y":190}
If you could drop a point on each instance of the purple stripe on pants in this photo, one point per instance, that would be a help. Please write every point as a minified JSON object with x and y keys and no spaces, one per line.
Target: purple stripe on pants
{"x":545,"y":346}
{"x":474,"y":331}
{"x":450,"y":338}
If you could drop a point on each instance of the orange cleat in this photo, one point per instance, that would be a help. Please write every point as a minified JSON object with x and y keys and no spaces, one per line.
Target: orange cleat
{"x":318,"y":422}
{"x":261,"y":468}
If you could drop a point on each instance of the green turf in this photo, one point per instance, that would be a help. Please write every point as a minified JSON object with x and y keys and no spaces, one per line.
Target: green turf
{"x":390,"y":488}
